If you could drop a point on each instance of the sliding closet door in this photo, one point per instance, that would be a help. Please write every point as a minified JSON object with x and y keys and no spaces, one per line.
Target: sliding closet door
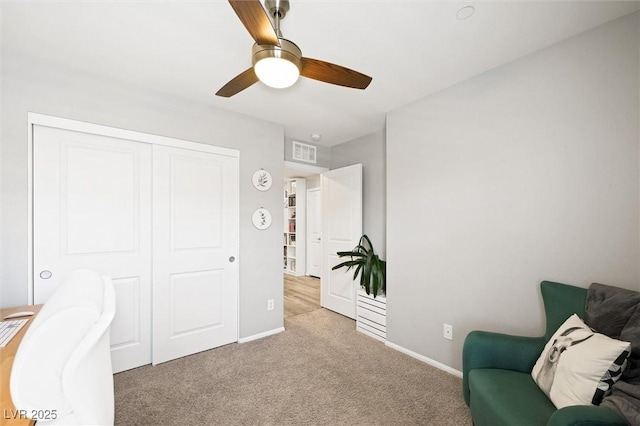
{"x":162,"y":221}
{"x":92,"y":209}
{"x":195,"y":246}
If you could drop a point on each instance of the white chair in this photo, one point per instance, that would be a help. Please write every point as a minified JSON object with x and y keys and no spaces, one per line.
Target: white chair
{"x":63,"y":364}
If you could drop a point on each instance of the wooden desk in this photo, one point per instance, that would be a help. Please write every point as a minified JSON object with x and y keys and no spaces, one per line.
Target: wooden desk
{"x":8,"y":412}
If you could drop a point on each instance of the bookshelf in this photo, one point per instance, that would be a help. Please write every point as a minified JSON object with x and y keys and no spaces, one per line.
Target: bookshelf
{"x":293,"y":240}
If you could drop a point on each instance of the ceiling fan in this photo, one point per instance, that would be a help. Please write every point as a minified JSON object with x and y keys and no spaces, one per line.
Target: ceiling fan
{"x":278,"y":62}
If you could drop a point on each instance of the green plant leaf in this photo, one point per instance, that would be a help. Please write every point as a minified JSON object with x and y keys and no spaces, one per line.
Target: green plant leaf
{"x":348,"y":263}
{"x":358,"y":269}
{"x":364,"y":237}
{"x":378,"y":276}
{"x":361,"y":248}
{"x":367,"y":264}
{"x":350,"y":253}
{"x":365,"y":280}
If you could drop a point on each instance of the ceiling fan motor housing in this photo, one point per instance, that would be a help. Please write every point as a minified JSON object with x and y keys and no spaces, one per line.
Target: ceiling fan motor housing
{"x":277,"y":7}
{"x":287,"y":50}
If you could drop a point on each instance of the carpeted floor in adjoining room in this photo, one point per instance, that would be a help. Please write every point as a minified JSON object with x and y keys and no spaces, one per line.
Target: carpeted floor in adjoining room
{"x":320,"y":371}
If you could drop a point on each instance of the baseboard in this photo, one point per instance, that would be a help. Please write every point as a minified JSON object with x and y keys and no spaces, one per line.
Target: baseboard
{"x":261,"y":335}
{"x":424,"y":359}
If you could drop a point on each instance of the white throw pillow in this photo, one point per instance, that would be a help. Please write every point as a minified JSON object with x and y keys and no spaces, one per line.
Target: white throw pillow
{"x":578,"y":366}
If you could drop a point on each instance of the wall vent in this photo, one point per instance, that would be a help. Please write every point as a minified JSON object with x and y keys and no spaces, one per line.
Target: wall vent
{"x":304,"y":152}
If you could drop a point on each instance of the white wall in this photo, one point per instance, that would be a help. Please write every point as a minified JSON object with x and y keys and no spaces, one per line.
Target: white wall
{"x":32,"y":84}
{"x":1,"y":156}
{"x":370,"y":150}
{"x":525,"y":173}
{"x":313,"y":182}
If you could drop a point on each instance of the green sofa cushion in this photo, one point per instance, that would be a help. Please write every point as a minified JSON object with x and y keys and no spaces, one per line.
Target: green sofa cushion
{"x":505,"y":397}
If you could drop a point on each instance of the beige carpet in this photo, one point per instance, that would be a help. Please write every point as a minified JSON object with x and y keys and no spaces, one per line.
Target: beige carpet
{"x":320,"y":371}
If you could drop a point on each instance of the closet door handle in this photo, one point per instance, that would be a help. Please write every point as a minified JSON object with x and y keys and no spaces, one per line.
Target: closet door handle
{"x":45,"y":275}
{"x":232,"y":259}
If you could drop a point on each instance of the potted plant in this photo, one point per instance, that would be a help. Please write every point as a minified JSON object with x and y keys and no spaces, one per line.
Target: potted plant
{"x":372,"y":269}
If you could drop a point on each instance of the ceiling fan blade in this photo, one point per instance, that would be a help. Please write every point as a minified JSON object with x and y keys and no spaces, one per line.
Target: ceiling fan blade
{"x":256,"y":21}
{"x":334,"y":74}
{"x":238,"y":83}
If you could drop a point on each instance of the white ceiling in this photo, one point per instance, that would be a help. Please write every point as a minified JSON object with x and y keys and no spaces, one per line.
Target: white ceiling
{"x":190,"y":49}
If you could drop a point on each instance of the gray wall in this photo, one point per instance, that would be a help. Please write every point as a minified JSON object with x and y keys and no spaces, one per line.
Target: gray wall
{"x":525,"y":173}
{"x":32,"y":84}
{"x":323,"y":153}
{"x":370,"y":150}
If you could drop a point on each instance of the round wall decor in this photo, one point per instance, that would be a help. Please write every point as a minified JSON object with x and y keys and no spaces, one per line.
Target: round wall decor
{"x":262,"y":180}
{"x":261,"y":218}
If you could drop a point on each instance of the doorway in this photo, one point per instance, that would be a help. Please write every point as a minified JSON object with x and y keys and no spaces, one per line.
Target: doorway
{"x":302,"y":289}
{"x":341,"y":216}
{"x":314,"y":232}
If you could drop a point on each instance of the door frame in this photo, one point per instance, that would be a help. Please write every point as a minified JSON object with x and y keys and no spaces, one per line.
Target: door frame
{"x":305,"y":170}
{"x":319,"y":191}
{"x":36,"y":119}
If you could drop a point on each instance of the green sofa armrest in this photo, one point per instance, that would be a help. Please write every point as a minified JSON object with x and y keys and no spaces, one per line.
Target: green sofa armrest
{"x":585,"y":415}
{"x":483,"y":349}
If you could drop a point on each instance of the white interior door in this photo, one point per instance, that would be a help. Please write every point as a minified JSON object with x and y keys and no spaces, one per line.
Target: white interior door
{"x":314,"y":232}
{"x":92,"y":209}
{"x":341,"y":231}
{"x":195,"y":246}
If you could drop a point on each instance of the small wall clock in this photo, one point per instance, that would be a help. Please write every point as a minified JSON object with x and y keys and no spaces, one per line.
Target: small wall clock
{"x":262,"y":180}
{"x":261,"y":218}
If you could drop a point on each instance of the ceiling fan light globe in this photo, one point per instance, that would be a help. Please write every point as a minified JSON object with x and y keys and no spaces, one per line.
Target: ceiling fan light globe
{"x":277,"y":66}
{"x":278,"y":73}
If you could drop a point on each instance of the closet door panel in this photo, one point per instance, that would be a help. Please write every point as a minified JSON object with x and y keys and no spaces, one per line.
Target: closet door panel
{"x":195,"y":243}
{"x":92,"y":209}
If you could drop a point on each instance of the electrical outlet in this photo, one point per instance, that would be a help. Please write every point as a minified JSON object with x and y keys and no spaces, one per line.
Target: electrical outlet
{"x":270,"y":305}
{"x":447,"y":332}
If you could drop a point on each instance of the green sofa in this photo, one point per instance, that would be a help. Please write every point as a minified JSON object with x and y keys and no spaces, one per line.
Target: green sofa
{"x":497,"y":383}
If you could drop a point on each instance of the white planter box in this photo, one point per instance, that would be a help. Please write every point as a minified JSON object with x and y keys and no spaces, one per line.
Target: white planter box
{"x":371,"y":315}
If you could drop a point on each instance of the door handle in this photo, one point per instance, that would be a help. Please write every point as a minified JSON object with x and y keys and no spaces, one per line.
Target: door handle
{"x":45,"y":275}
{"x":232,"y":259}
